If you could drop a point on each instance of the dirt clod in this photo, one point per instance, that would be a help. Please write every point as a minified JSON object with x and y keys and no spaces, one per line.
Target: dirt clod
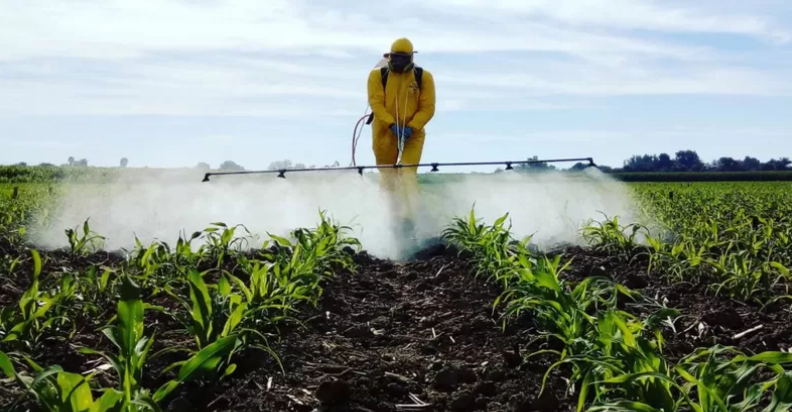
{"x":333,"y":392}
{"x":725,"y":317}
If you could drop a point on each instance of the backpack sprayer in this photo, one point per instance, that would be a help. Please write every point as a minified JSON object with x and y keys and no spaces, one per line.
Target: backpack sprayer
{"x":368,"y":117}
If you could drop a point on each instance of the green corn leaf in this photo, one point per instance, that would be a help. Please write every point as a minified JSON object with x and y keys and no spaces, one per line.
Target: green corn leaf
{"x":202,"y":305}
{"x":771,"y":357}
{"x":234,"y":319}
{"x":75,"y":389}
{"x":130,"y":315}
{"x":7,"y":366}
{"x":548,"y":280}
{"x":781,"y":268}
{"x":108,"y":401}
{"x":146,"y":401}
{"x":782,"y":395}
{"x":165,"y":390}
{"x":625,"y":406}
{"x":36,"y":263}
{"x":223,"y":286}
{"x":207,"y":358}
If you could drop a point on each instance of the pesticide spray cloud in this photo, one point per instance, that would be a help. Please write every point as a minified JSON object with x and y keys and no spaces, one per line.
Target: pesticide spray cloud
{"x":551,"y":206}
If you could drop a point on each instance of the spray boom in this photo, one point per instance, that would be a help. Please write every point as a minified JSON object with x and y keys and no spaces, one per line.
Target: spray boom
{"x":508,"y":163}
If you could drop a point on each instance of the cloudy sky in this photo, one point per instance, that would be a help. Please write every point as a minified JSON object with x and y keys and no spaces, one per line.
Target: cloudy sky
{"x":174,"y":82}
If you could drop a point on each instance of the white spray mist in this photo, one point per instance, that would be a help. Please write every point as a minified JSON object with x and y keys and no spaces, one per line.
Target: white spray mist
{"x":551,"y":206}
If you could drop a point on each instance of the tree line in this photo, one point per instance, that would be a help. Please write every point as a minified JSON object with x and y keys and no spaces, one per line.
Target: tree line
{"x":689,"y":161}
{"x":682,"y":161}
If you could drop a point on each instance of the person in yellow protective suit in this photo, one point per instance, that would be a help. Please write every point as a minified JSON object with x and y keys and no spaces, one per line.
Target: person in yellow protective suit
{"x":401,"y":109}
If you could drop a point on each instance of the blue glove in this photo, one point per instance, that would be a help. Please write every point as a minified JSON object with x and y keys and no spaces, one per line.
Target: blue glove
{"x":406,"y":132}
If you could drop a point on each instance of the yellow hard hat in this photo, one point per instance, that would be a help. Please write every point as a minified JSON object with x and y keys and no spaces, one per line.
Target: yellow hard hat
{"x":402,"y":45}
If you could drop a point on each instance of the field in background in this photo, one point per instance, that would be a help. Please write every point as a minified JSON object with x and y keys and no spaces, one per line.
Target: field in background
{"x":46,"y":174}
{"x":691,"y":312}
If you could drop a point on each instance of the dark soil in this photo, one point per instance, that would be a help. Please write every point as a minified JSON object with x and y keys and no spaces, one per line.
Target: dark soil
{"x":422,"y":331}
{"x":706,"y":319}
{"x":397,"y":334}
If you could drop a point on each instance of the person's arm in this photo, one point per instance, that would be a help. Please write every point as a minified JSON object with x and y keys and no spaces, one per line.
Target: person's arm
{"x":376,"y":98}
{"x":426,"y":103}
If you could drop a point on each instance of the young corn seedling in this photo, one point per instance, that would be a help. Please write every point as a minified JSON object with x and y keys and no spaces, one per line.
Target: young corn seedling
{"x":617,"y":367}
{"x":707,"y":381}
{"x":221,"y":242}
{"x":217,"y":314}
{"x":85,"y":244}
{"x":494,"y":251}
{"x":613,"y":238}
{"x":132,"y":349}
{"x":55,"y":390}
{"x":28,"y":324}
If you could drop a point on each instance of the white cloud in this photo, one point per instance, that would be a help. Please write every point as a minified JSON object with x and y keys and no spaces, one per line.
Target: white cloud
{"x":625,"y":14}
{"x":283,"y":58}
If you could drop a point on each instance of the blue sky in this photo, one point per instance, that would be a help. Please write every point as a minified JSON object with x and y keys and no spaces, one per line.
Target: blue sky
{"x":169,"y":83}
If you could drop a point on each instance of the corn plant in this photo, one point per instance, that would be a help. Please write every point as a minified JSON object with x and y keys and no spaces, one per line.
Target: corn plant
{"x":217,"y":314}
{"x":708,"y":381}
{"x":28,"y":324}
{"x":56,"y":390}
{"x":609,"y":236}
{"x":86,"y":243}
{"x":492,"y":248}
{"x":132,"y":349}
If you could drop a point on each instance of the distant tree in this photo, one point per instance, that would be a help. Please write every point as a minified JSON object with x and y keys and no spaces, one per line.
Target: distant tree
{"x":644,"y":163}
{"x":280,"y":165}
{"x":534,"y":167}
{"x":230,"y":165}
{"x":727,"y":164}
{"x":299,"y":166}
{"x":203,"y":166}
{"x":21,"y":164}
{"x":71,"y":160}
{"x":81,"y":162}
{"x":688,"y":161}
{"x":578,"y":166}
{"x":46,"y":165}
{"x":751,"y":164}
{"x":773,"y":164}
{"x":124,"y":162}
{"x":665,"y":163}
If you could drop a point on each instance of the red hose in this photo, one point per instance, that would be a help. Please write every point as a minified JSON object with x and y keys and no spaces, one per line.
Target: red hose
{"x":355,"y":138}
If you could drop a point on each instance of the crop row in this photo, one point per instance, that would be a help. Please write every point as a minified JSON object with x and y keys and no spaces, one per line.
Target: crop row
{"x":215,"y":303}
{"x":172,"y":316}
{"x":615,"y":359}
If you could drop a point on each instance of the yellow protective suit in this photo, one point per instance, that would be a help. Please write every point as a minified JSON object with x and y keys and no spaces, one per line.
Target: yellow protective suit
{"x":404,"y":104}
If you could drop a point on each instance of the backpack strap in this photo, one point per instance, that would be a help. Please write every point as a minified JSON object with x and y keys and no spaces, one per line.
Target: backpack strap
{"x":384,"y":75}
{"x":417,"y":71}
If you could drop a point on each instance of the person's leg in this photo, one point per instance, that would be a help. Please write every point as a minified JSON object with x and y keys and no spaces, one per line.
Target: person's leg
{"x":408,"y":181}
{"x":409,"y":195}
{"x":386,"y":152}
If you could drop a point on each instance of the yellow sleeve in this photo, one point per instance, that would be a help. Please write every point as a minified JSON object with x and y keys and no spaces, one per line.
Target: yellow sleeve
{"x":376,"y":98}
{"x":426,"y":103}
